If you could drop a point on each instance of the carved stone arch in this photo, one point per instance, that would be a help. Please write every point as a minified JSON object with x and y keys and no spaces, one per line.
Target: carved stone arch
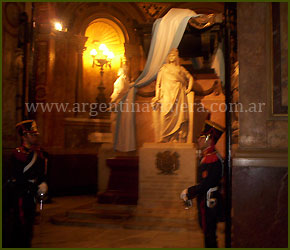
{"x":120,"y":14}
{"x":105,"y":30}
{"x":77,"y":16}
{"x":98,"y":15}
{"x":102,"y":27}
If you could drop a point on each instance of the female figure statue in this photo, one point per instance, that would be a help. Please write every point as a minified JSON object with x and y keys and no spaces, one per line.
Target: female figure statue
{"x":121,"y":85}
{"x":173,"y":84}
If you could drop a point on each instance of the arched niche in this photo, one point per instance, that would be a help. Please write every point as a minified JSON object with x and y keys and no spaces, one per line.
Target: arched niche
{"x":106,"y":31}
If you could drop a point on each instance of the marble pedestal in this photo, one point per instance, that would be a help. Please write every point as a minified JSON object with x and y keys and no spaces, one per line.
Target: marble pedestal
{"x":117,"y":177}
{"x":106,"y":151}
{"x":165,"y":169}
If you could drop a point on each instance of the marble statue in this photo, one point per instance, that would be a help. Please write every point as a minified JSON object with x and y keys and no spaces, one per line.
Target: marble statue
{"x":121,"y":85}
{"x":170,"y":103}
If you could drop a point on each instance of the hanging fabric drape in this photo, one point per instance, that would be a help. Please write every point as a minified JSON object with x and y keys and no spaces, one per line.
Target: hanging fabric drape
{"x":218,"y":64}
{"x":167,"y":33}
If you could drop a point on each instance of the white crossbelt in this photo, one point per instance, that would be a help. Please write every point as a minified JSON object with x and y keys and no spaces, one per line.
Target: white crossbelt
{"x":30,"y":163}
{"x":208,"y":199}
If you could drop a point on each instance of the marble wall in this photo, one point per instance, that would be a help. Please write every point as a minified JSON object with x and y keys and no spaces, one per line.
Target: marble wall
{"x":260,"y":211}
{"x":257,"y":129}
{"x":260,"y":164}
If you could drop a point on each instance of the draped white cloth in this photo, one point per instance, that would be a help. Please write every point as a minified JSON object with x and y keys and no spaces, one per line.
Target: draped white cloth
{"x":218,"y":64}
{"x":166,"y":34}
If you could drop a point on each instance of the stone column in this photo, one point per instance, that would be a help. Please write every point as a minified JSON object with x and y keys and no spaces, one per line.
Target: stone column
{"x":78,"y":43}
{"x":44,"y":67}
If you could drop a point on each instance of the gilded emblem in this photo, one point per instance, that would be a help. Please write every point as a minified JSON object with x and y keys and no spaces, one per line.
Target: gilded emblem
{"x":167,"y":162}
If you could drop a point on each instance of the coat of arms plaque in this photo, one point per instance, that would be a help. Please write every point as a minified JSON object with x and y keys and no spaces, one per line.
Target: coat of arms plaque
{"x":167,"y":162}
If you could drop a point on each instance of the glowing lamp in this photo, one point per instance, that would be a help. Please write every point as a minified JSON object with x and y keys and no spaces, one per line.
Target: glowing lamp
{"x":58,"y":26}
{"x":103,"y":47}
{"x":93,"y":52}
{"x":103,"y":58}
{"x":111,"y":55}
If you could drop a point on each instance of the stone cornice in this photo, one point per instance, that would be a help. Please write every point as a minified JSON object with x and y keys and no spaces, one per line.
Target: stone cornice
{"x":260,"y":158}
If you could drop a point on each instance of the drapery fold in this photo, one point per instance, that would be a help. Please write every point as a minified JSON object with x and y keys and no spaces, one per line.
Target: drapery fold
{"x":167,"y":33}
{"x":218,"y":64}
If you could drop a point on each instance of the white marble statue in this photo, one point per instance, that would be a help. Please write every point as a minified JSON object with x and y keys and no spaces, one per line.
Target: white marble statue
{"x":171,"y":115}
{"x":121,"y":85}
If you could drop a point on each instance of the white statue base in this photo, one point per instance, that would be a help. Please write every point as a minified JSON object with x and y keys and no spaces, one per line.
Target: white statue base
{"x":165,"y":169}
{"x":106,"y":151}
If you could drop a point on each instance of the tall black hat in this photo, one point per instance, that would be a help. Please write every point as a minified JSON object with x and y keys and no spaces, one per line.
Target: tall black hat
{"x":213,"y":129}
{"x":27,"y":127}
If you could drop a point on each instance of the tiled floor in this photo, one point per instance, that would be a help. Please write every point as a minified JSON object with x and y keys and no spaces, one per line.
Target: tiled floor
{"x":80,"y":222}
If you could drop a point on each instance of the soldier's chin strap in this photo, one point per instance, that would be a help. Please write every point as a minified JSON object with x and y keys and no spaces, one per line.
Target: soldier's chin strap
{"x":30,"y":164}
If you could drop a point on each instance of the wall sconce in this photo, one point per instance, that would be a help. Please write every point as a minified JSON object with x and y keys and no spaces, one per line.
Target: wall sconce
{"x":101,"y":57}
{"x":59,"y":27}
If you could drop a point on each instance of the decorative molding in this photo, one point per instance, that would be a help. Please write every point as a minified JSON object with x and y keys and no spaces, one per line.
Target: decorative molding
{"x":11,"y":12}
{"x":260,"y":158}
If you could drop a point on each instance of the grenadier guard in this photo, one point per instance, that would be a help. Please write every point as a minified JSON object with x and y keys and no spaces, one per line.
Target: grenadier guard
{"x":29,"y":180}
{"x":207,"y":191}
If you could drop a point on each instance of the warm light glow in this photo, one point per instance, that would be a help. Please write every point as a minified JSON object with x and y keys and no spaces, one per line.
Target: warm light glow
{"x":104,"y":52}
{"x":103,"y":47}
{"x":111,"y":55}
{"x":58,"y":26}
{"x":104,"y":36}
{"x":93,"y":52}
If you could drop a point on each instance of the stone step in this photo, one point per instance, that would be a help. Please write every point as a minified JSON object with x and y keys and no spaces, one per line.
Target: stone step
{"x":65,"y":221}
{"x":111,"y":207}
{"x":160,"y":226}
{"x":129,"y":217}
{"x":133,"y":224}
{"x":98,"y":214}
{"x":124,"y":212}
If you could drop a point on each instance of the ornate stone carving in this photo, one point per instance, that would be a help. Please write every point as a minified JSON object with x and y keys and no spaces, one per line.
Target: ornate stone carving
{"x":10,"y":19}
{"x":152,"y":10}
{"x":167,"y":162}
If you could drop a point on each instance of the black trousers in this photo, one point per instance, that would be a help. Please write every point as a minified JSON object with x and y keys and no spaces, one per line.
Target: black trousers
{"x":23,"y":222}
{"x":208,"y":219}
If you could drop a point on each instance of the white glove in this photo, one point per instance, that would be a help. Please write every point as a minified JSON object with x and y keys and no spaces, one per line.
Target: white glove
{"x":183,"y":195}
{"x":42,"y":188}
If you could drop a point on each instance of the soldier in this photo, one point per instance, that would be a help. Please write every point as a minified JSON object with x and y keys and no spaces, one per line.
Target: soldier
{"x":29,"y":181}
{"x":207,"y":191}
